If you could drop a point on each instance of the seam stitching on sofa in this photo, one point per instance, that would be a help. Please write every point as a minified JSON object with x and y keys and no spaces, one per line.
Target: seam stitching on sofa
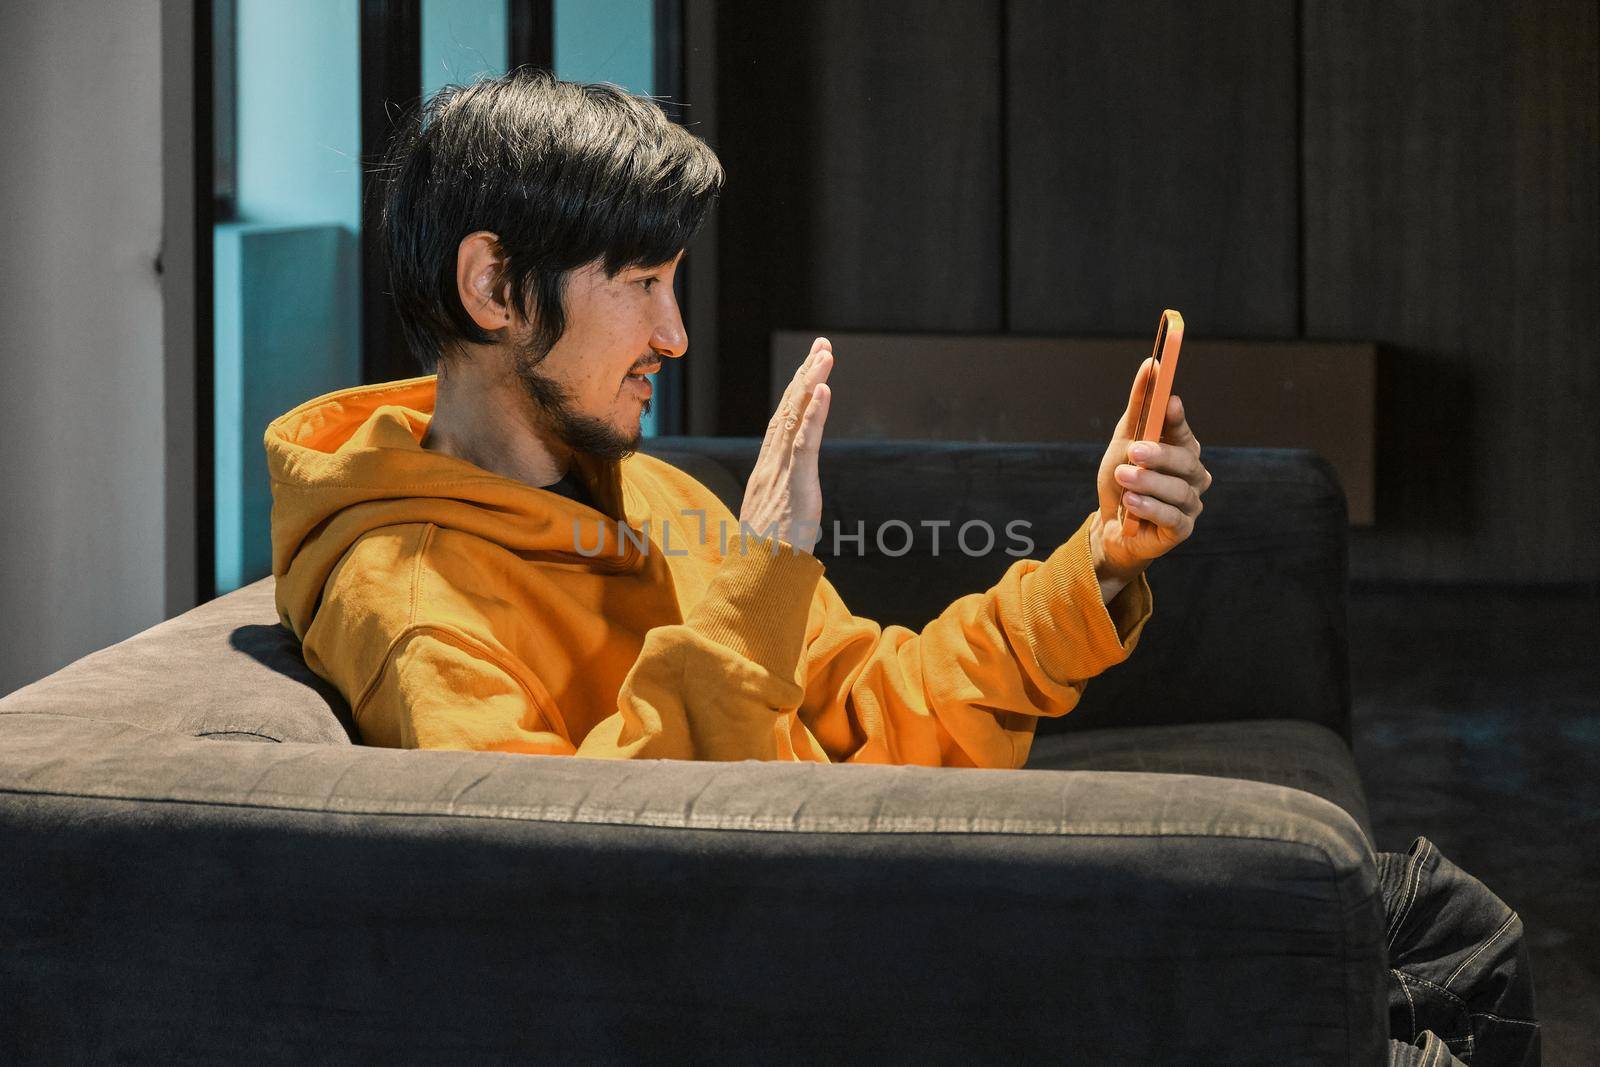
{"x":670,"y":819}
{"x":249,"y":733}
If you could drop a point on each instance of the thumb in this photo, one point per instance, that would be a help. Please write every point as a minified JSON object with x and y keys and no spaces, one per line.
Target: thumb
{"x":1143,"y":379}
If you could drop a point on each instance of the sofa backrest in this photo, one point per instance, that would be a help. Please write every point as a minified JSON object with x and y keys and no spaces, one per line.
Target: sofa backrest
{"x":1249,"y":613}
{"x":1249,"y":619}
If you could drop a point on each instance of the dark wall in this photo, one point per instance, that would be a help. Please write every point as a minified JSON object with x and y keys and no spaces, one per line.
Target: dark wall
{"x":1451,"y":212}
{"x":1416,"y":174}
{"x":1151,"y":163}
{"x":862,"y":144}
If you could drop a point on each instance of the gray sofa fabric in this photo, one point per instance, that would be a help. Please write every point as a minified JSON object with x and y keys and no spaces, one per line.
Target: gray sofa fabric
{"x":1157,"y":893}
{"x":170,"y":892}
{"x":227,"y":669}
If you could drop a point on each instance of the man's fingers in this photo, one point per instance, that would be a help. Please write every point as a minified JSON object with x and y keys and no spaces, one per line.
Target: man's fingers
{"x":814,"y":368}
{"x":1159,"y":512}
{"x":808,"y":442}
{"x":788,"y":402}
{"x":1176,"y":429}
{"x":1168,"y":458}
{"x":1167,"y":488}
{"x":1127,"y":426}
{"x":816,"y":372}
{"x":794,"y":392}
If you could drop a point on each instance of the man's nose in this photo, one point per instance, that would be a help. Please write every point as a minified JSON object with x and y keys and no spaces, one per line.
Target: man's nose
{"x":670,"y":338}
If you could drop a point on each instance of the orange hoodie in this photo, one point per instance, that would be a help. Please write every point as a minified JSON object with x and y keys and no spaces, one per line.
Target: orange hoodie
{"x":455,"y":608}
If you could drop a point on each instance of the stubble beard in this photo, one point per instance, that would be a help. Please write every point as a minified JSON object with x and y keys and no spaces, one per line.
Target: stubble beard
{"x":553,"y":403}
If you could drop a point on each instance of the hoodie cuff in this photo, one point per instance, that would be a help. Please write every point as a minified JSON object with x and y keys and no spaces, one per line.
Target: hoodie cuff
{"x":759,"y":602}
{"x":1077,"y":634}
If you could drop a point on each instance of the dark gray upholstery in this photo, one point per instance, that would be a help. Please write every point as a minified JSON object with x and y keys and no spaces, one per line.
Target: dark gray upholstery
{"x":1249,"y":613}
{"x":169,"y":895}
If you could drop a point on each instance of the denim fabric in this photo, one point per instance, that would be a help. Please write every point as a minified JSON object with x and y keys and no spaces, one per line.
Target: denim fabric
{"x":1429,"y":1051}
{"x":1459,"y":986}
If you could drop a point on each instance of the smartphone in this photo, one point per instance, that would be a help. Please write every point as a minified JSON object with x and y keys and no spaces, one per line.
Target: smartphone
{"x":1158,"y":390}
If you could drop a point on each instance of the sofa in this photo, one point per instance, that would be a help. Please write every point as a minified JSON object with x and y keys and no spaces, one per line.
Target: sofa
{"x":201,"y":862}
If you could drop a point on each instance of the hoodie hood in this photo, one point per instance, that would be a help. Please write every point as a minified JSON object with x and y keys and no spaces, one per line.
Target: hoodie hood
{"x":351,"y":461}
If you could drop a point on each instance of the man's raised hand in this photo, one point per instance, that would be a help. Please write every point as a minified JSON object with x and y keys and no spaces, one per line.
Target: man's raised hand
{"x":1159,"y":483}
{"x":784,"y":493}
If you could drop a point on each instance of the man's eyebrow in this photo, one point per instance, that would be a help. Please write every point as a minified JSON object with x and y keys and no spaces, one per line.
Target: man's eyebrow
{"x":657,"y":267}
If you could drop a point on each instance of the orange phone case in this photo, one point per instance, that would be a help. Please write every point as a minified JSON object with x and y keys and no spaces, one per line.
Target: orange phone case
{"x":1153,"y":410}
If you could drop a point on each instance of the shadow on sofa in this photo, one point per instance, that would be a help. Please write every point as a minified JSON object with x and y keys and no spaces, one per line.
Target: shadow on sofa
{"x":1183,"y":873}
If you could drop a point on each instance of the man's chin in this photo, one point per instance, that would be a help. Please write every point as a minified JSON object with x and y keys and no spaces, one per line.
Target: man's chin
{"x":590,"y":435}
{"x":611,"y":447}
{"x":632,"y":443}
{"x":627,"y":448}
{"x":635,"y":437}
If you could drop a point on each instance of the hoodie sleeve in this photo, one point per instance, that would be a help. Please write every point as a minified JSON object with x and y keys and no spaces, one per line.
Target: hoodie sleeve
{"x":772,"y":665}
{"x":725,"y":683}
{"x":968,"y":688}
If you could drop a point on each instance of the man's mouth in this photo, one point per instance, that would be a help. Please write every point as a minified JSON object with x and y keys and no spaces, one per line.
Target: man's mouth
{"x":638,"y":375}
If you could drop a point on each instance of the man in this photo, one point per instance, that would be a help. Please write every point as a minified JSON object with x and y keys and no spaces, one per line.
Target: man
{"x":441,"y":544}
{"x":449,"y":552}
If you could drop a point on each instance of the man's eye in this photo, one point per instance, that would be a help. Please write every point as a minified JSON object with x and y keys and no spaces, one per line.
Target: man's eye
{"x":647,"y":282}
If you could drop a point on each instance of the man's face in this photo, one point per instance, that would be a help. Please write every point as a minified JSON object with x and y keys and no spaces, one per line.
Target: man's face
{"x":616,"y":327}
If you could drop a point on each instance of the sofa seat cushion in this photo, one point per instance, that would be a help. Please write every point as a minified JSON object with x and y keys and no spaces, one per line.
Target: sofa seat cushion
{"x":1288,"y":752}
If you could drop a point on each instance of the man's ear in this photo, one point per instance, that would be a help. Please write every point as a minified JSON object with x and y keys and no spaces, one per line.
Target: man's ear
{"x":479,"y":261}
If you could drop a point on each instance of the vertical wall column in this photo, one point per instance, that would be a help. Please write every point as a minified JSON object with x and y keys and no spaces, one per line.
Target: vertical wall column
{"x":391,"y":83}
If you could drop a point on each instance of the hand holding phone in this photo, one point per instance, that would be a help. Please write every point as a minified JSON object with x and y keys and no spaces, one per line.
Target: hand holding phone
{"x":1158,"y":391}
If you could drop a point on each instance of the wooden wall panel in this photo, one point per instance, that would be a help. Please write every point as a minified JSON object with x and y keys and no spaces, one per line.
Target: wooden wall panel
{"x":1451,"y":215}
{"x":1261,"y":394}
{"x":1151,"y":163}
{"x":862,"y":144}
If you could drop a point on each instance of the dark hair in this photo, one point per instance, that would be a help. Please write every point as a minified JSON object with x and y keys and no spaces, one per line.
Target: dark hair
{"x":564,"y":173}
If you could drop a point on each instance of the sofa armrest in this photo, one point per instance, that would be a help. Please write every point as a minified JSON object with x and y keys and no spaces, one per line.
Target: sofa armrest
{"x":166,"y":892}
